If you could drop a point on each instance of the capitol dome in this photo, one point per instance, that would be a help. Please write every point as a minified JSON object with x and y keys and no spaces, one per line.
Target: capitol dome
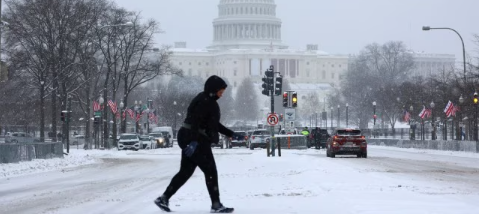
{"x":247,"y":24}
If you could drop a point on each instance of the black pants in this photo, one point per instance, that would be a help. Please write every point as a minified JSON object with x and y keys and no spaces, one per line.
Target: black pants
{"x":202,"y":158}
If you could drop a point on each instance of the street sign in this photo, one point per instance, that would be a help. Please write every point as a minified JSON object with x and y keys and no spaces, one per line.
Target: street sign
{"x":272,"y":119}
{"x":98,"y":113}
{"x":290,"y":114}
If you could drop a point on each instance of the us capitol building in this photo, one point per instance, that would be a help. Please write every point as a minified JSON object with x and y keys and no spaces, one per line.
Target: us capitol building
{"x":247,"y":39}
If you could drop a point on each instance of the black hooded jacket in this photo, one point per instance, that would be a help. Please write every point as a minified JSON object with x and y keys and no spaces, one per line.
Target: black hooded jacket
{"x":203,"y":113}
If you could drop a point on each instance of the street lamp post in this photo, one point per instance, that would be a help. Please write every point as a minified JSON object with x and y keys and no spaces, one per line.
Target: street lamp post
{"x":122,"y":112}
{"x":459,"y":129}
{"x":347,"y":114}
{"x":433,"y":123}
{"x":412,"y":125}
{"x":331,"y":116}
{"x":101,"y":102}
{"x":175,"y":118}
{"x":338,"y":116}
{"x":374,"y":116}
{"x":427,"y":28}
{"x":138,"y":105}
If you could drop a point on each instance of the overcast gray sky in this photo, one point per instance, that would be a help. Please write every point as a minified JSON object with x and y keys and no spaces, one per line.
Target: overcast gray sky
{"x":337,"y":26}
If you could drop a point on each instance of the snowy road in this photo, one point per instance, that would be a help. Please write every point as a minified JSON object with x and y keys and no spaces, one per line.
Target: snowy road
{"x":391,"y":180}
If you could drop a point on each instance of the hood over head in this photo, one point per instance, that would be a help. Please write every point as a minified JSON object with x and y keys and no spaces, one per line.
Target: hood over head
{"x":213,"y":84}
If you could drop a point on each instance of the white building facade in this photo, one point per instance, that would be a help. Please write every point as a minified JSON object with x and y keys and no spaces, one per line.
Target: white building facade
{"x":247,"y":40}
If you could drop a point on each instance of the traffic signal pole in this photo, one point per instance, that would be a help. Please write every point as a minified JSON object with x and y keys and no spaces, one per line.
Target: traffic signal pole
{"x":270,"y":89}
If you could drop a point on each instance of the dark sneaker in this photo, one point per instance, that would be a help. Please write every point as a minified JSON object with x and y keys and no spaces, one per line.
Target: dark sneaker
{"x":221,"y":209}
{"x":163,"y":203}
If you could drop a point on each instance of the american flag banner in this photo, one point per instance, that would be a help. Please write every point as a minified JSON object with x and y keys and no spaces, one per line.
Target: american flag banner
{"x":407,"y":116}
{"x":131,"y":113}
{"x":153,"y":116}
{"x":451,"y":109}
{"x":455,"y":109}
{"x":113,"y":106}
{"x":96,"y":106}
{"x":424,"y":113}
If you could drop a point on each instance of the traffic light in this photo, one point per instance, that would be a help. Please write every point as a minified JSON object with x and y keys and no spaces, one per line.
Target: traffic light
{"x":278,"y":88}
{"x":62,"y":116}
{"x":265,"y":86}
{"x":294,"y":99}
{"x":285,"y":100}
{"x":270,"y":72}
{"x":475,"y":98}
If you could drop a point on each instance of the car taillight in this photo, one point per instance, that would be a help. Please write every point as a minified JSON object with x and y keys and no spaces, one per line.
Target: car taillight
{"x":335,"y":137}
{"x":363,"y":137}
{"x":246,"y":137}
{"x":253,"y":137}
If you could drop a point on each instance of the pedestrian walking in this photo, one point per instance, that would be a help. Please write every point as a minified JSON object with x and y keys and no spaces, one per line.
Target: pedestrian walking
{"x":200,"y":129}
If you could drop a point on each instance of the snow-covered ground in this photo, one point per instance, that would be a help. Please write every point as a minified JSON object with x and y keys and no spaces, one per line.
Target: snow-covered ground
{"x":391,"y":180}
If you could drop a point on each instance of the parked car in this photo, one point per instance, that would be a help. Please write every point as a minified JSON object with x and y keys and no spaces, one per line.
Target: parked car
{"x":129,"y":141}
{"x":347,"y":142}
{"x":241,"y":140}
{"x":147,"y":142}
{"x":258,"y":139}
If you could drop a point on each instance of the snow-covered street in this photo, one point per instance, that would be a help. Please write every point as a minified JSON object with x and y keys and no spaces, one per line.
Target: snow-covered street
{"x":390,"y":180}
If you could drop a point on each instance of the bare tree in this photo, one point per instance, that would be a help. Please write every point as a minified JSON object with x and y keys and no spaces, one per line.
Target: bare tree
{"x":246,"y":101}
{"x":47,"y":35}
{"x":374,"y":75}
{"x":140,"y":61}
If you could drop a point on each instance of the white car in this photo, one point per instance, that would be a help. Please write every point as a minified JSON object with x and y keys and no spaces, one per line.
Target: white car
{"x":129,"y":141}
{"x":147,"y":142}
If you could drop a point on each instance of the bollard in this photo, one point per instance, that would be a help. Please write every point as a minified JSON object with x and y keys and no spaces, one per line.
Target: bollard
{"x":279,"y":146}
{"x":273,"y":146}
{"x":289,"y":142}
{"x":268,"y":145}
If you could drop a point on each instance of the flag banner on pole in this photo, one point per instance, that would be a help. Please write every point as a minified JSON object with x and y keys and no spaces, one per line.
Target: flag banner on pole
{"x":424,"y":113}
{"x":407,"y":116}
{"x":96,"y":106}
{"x":113,"y":106}
{"x":131,"y":113}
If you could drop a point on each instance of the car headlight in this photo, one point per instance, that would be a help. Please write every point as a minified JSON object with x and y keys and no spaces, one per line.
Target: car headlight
{"x":160,"y":140}
{"x":335,"y":143}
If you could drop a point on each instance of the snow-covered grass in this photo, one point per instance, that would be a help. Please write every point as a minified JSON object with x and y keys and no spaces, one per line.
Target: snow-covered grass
{"x":74,"y":159}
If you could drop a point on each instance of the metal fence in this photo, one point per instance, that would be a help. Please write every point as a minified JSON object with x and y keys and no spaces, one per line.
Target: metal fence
{"x":292,"y":141}
{"x":14,"y":153}
{"x":446,"y":145}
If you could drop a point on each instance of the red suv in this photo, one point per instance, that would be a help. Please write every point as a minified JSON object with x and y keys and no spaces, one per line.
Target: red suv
{"x":347,"y":142}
